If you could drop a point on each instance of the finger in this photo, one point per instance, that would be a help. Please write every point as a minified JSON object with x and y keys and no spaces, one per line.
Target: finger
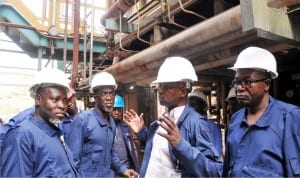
{"x":164,"y":126}
{"x":127,"y":121}
{"x":141,"y":115}
{"x":167,"y":121}
{"x":128,"y":114}
{"x":165,"y":135}
{"x":127,"y":117}
{"x":132,"y":112}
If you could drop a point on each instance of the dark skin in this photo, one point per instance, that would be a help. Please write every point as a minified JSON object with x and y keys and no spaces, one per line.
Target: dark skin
{"x":104,"y":100}
{"x":51,"y":102}
{"x":72,"y":106}
{"x":255,"y":97}
{"x":116,"y":114}
{"x":171,"y":95}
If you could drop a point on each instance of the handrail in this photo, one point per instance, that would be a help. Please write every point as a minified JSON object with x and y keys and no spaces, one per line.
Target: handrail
{"x":43,"y":22}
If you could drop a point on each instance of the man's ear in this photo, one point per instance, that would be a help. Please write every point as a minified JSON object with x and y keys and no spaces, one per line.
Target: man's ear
{"x":184,"y":91}
{"x":268,"y":84}
{"x":37,"y":99}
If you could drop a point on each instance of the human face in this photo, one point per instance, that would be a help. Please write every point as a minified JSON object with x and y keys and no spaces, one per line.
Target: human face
{"x":172,"y":94}
{"x":251,"y":86}
{"x":116,"y":113}
{"x":51,"y":103}
{"x":105,"y":98}
{"x":72,"y":106}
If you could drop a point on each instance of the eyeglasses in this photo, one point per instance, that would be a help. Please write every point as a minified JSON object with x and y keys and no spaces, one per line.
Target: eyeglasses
{"x":246,"y":83}
{"x":106,"y":94}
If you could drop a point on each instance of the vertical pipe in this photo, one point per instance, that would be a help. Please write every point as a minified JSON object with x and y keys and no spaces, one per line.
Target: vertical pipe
{"x":92,"y":41}
{"x":40,"y":55}
{"x":84,"y":42}
{"x":66,"y":34}
{"x":75,"y":42}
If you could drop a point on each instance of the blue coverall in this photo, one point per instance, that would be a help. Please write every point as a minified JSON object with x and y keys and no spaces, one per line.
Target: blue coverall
{"x":91,"y":141}
{"x":195,"y":151}
{"x":14,"y":121}
{"x":268,"y":148}
{"x":33,"y":149}
{"x":216,"y":135}
{"x":124,"y":146}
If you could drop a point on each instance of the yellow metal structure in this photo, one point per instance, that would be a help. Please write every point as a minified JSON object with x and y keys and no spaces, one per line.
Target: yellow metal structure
{"x":52,"y":14}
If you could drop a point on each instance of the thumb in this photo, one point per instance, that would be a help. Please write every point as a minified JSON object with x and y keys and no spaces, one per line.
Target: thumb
{"x":141,"y":115}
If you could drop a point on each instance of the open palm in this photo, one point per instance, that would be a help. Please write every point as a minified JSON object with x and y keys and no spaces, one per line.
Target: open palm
{"x":134,"y":121}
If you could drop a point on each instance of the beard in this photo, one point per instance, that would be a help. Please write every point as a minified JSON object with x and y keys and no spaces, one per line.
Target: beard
{"x":108,"y":109}
{"x":55,"y":121}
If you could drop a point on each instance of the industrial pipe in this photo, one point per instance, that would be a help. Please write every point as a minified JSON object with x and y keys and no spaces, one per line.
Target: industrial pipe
{"x":282,"y":3}
{"x":74,"y":79}
{"x":198,"y":35}
{"x":114,"y":11}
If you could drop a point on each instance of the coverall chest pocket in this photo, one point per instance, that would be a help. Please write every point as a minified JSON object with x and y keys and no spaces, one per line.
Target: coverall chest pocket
{"x":255,"y":171}
{"x":92,"y":157}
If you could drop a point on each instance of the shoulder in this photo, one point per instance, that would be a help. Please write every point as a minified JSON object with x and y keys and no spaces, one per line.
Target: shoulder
{"x":23,"y":131}
{"x":283,"y":106}
{"x":82,"y":117}
{"x":194,"y":121}
{"x":237,"y":117}
{"x":193,"y":115}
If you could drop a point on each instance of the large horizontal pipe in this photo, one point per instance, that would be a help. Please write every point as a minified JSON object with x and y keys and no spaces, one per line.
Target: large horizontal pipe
{"x":281,"y":3}
{"x":114,"y":11}
{"x":211,"y":29}
{"x":224,"y":42}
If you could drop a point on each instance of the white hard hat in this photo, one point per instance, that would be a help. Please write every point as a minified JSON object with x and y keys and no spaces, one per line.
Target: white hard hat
{"x":256,"y":58}
{"x":198,"y":94}
{"x":103,"y":79}
{"x":175,"y":69}
{"x":49,"y":77}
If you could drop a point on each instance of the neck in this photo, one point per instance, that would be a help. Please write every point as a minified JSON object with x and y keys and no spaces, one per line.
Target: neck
{"x":255,"y":112}
{"x":104,"y":114}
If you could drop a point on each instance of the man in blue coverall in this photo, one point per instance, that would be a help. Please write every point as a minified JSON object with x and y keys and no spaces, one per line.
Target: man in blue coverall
{"x":92,"y":133}
{"x":198,"y":101}
{"x":35,"y":147}
{"x":179,"y":143}
{"x":263,"y":138}
{"x":72,"y":111}
{"x":123,"y":144}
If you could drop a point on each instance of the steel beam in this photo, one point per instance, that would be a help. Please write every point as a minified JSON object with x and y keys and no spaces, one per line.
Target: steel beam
{"x":273,"y":24}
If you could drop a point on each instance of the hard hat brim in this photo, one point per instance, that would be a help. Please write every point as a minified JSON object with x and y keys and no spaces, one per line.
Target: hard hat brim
{"x":273,"y":74}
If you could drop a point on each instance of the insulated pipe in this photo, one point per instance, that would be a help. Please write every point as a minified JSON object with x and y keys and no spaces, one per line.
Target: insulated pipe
{"x":198,"y":35}
{"x":119,"y":6}
{"x":66,"y":35}
{"x":76,"y":43}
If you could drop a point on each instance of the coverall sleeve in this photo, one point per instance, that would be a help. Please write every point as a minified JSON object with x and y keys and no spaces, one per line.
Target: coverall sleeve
{"x":75,"y":139}
{"x":226,"y":164}
{"x":292,"y":143}
{"x":201,"y":158}
{"x":142,"y":135}
{"x":16,"y":158}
